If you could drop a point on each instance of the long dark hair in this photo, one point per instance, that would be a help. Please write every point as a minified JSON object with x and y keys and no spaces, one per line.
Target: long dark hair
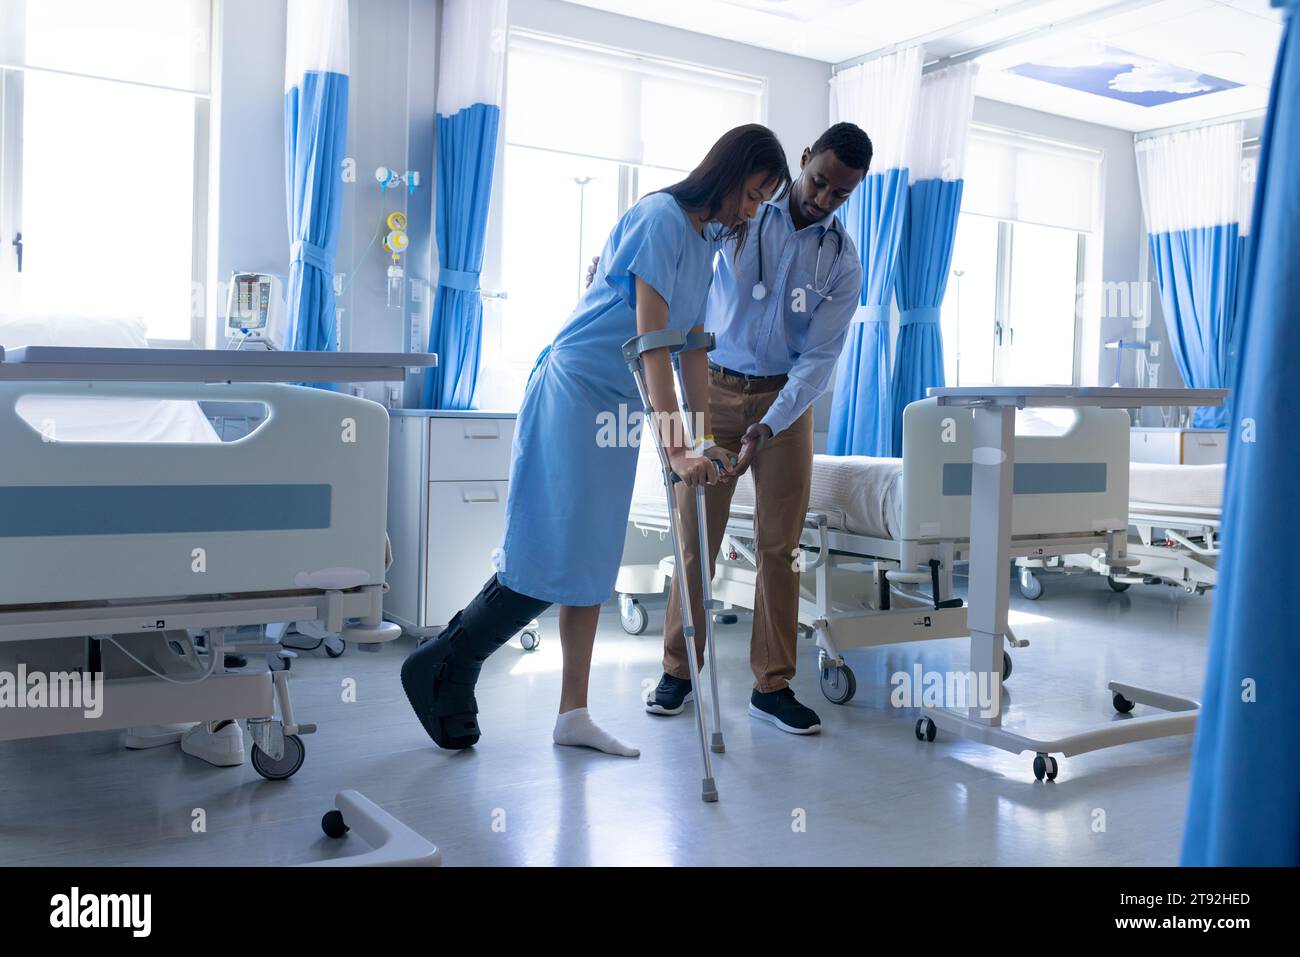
{"x":736,"y":156}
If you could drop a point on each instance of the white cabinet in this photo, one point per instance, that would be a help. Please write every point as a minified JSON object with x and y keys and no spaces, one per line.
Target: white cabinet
{"x":1179,"y":446}
{"x":447,"y":478}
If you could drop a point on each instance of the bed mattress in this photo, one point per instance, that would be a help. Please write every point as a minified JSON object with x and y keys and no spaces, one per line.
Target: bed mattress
{"x":1170,"y":486}
{"x":864,"y":495}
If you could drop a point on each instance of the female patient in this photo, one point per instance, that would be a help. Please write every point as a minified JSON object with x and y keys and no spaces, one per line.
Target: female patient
{"x":570,"y":488}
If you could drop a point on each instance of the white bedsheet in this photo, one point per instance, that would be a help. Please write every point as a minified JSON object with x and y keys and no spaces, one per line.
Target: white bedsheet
{"x":85,"y":419}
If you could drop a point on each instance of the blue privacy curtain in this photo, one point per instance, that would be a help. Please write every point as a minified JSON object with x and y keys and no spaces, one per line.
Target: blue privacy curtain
{"x":1244,"y":807}
{"x":1192,"y":196}
{"x":936,"y":156}
{"x":879,"y":96}
{"x":873,"y":218}
{"x":472,"y":50}
{"x":315,"y":133}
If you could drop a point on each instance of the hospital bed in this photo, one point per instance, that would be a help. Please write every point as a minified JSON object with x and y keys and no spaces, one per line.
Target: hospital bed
{"x":1174,"y":533}
{"x":882,"y":536}
{"x":139,"y":557}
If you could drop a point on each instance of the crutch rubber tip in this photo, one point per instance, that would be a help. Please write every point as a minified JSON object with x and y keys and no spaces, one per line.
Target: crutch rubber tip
{"x":716,"y":745}
{"x":709,"y":793}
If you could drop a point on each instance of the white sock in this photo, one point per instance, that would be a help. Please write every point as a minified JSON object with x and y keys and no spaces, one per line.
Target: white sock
{"x":576,"y":729}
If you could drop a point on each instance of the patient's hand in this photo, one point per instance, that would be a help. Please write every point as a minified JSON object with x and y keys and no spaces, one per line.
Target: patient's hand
{"x":755,"y":436}
{"x":591,"y":270}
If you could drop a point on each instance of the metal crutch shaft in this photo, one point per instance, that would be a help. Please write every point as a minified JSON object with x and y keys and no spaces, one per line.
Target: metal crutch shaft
{"x":633,"y":351}
{"x":705,"y":341}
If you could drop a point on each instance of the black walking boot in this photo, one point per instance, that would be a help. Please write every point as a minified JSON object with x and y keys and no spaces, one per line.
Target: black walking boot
{"x":439,"y":676}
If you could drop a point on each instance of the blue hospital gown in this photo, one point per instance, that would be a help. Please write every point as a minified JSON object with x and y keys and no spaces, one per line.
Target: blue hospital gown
{"x":570,"y":489}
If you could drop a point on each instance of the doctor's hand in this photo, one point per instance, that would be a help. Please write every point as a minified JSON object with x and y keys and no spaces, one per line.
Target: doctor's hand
{"x":726,"y":462}
{"x":591,"y":270}
{"x":692,"y":469}
{"x":755,"y":437}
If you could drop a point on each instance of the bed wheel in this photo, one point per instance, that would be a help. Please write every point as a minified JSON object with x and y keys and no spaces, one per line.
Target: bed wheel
{"x":925,"y":729}
{"x":332,"y":643}
{"x":332,"y":824}
{"x":288,"y":764}
{"x":530,"y":639}
{"x":1006,"y":665}
{"x":1122,"y":704}
{"x":636,"y":621}
{"x":838,"y":684}
{"x":1116,"y":586}
{"x":1031,"y":586}
{"x":1045,"y":767}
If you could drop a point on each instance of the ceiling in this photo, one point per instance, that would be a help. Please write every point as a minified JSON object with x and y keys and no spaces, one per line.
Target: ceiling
{"x":1213,"y":57}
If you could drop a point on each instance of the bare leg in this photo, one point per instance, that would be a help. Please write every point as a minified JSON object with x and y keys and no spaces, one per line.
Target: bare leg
{"x":577,"y":636}
{"x":573,"y":725}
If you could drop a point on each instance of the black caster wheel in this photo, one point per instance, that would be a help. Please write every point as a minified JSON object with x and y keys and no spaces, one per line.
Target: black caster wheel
{"x":1031,"y":586}
{"x":925,"y":729}
{"x":342,"y":647}
{"x":332,"y":824}
{"x":280,"y":662}
{"x":726,"y":618}
{"x":838,"y":684}
{"x":1006,"y":665}
{"x":1122,"y":704}
{"x":1045,"y":767}
{"x":530,"y":639}
{"x":1116,"y":586}
{"x":288,"y":764}
{"x":636,"y":622}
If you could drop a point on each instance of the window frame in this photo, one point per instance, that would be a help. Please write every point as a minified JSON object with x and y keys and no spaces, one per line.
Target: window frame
{"x":11,"y":180}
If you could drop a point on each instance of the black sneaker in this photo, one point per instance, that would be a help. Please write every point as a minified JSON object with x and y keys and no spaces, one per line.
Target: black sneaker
{"x":670,"y":696}
{"x":781,"y":709}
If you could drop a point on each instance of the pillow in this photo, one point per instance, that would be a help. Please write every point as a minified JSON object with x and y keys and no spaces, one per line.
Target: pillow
{"x":68,"y":330}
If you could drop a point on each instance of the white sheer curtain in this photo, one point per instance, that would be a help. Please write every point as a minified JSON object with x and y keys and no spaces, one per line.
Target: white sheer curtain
{"x":316,"y":39}
{"x":880,"y":96}
{"x":473,"y":52}
{"x":1191,"y":179}
{"x":945,"y":105}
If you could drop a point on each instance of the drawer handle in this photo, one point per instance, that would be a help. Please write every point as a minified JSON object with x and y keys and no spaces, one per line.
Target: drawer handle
{"x":479,"y":497}
{"x":471,"y":433}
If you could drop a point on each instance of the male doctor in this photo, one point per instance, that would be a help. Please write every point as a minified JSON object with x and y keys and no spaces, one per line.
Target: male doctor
{"x":780,"y":311}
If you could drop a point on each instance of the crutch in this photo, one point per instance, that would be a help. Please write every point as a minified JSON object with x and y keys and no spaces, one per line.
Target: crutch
{"x":633,"y":351}
{"x":705,"y":341}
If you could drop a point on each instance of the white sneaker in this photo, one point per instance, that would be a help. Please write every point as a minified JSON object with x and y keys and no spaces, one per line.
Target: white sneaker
{"x":153,"y":736}
{"x":223,"y":748}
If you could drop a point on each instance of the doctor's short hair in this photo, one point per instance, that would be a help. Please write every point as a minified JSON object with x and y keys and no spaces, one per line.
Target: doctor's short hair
{"x":737,"y":155}
{"x":848,"y":142}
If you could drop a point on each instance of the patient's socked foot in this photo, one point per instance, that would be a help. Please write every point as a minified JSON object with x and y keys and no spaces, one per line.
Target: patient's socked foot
{"x":576,"y":729}
{"x":439,"y":676}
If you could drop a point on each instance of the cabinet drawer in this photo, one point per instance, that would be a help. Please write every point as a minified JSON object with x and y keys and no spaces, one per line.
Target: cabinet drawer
{"x":466,"y":522}
{"x":474,"y":449}
{"x":1154,"y":446}
{"x":1205,"y":448}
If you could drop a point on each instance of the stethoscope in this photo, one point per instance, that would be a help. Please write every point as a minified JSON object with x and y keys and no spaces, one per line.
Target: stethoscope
{"x":760,"y":288}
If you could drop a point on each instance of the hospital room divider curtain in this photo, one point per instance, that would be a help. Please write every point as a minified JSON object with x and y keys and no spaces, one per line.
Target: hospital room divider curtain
{"x":937,"y":156}
{"x":1191,"y":196}
{"x":470,"y":79}
{"x":315,"y":135}
{"x":1244,"y":807}
{"x":880,"y":96}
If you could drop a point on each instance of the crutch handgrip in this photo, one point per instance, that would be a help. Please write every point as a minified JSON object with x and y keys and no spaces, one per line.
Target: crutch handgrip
{"x":716,"y":464}
{"x":637,"y":346}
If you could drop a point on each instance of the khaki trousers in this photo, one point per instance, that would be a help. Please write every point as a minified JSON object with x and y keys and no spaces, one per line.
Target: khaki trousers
{"x":782,"y":473}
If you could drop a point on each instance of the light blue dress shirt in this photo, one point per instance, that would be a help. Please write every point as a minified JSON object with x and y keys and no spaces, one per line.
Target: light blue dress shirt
{"x":795,"y":329}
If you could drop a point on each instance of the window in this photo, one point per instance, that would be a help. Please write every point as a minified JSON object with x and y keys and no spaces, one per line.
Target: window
{"x":1012,"y":312}
{"x":588,"y":131}
{"x":103,"y":160}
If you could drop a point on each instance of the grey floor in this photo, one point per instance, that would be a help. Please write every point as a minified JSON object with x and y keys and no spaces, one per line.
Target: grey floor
{"x":865,"y":790}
